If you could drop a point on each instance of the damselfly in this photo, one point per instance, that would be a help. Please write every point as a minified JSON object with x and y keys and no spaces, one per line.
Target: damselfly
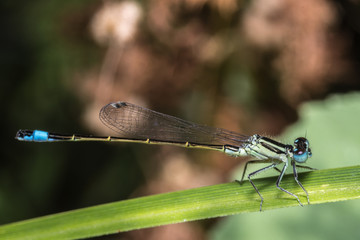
{"x":141,"y":125}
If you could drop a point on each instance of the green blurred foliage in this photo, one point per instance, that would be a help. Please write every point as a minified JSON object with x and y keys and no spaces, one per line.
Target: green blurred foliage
{"x":331,"y":127}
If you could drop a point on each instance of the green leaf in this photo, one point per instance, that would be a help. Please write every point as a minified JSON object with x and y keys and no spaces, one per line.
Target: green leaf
{"x":206,"y":202}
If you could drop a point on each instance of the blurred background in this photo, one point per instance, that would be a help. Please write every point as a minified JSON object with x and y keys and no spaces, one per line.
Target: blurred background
{"x":279,"y":68}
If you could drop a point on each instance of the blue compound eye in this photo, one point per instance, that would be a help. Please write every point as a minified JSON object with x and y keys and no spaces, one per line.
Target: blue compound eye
{"x":301,"y":142}
{"x":300,"y":155}
{"x":301,"y":151}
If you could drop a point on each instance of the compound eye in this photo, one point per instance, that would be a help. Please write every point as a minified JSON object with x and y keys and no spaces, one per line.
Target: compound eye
{"x":301,"y":142}
{"x":301,"y":151}
{"x":298,"y":151}
{"x":300,"y":156}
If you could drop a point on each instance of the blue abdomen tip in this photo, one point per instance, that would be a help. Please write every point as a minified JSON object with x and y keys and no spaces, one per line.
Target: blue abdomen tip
{"x":40,"y":136}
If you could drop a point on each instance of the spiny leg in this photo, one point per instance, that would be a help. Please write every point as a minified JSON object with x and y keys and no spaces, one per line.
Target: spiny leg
{"x":252,"y":162}
{"x":282,"y":189}
{"x":306,"y":167}
{"x":298,"y":182}
{"x":256,"y":172}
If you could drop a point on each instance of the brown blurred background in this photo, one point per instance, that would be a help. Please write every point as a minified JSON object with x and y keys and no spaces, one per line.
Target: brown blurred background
{"x":245,"y":66}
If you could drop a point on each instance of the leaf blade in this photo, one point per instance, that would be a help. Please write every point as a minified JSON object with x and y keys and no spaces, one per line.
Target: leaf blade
{"x":194,"y":204}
